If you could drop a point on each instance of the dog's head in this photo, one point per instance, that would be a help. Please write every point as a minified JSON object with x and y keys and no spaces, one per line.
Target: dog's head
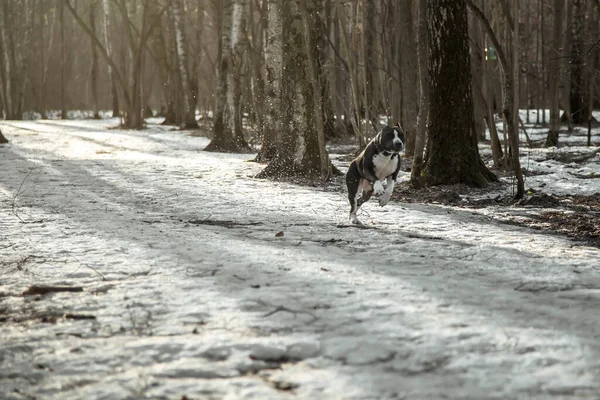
{"x":392,"y":139}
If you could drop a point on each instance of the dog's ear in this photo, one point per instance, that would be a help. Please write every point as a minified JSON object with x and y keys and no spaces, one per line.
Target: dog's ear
{"x":398,"y":125}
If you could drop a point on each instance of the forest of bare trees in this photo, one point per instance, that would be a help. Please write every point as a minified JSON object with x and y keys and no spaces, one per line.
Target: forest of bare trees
{"x":283,"y":77}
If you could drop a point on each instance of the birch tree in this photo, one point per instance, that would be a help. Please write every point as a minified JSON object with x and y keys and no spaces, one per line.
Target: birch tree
{"x":94,"y":67}
{"x":189,"y":97}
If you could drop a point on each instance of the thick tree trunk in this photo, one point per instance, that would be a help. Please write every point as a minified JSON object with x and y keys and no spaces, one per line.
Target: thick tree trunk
{"x":454,"y":156}
{"x":225,"y":137}
{"x":301,"y":152}
{"x":273,"y":63}
{"x":310,"y":10}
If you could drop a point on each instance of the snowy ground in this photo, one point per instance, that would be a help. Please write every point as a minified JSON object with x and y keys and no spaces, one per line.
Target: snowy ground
{"x":197,"y":281}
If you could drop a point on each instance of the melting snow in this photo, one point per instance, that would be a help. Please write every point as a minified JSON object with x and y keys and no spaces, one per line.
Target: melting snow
{"x":187,"y":290}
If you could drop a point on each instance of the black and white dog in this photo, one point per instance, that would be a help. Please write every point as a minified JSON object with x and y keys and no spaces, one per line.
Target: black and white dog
{"x":378,"y":161}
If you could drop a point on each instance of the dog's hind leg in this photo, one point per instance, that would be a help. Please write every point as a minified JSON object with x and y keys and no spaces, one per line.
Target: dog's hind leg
{"x":364,"y":197}
{"x":353,"y":183}
{"x":363,"y":194}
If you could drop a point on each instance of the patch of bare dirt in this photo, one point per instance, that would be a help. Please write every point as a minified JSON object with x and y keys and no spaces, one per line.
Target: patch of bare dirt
{"x":576,"y":216}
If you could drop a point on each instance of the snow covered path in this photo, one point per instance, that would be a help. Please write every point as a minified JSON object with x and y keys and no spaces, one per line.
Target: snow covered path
{"x":194,"y":293}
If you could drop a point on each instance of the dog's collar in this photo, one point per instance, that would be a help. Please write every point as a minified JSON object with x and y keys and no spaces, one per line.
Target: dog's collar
{"x":388,"y":153}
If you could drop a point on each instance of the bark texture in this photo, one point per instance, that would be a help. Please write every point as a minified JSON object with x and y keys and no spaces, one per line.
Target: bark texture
{"x":454,"y":156}
{"x":301,"y":151}
{"x":226,"y":137}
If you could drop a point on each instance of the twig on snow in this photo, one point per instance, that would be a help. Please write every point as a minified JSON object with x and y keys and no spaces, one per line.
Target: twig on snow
{"x":90,"y":267}
{"x":289,"y":310}
{"x":14,"y":201}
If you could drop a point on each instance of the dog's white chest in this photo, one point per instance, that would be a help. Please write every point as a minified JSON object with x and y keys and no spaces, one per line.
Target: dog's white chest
{"x":385,"y":165}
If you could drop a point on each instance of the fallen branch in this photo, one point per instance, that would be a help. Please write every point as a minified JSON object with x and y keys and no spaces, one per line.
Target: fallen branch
{"x":40,"y":289}
{"x":565,"y":157}
{"x":78,"y":316}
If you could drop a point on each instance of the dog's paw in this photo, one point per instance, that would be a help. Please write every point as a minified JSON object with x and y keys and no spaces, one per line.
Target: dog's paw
{"x":354,"y":220}
{"x":378,"y":188}
{"x":384,"y":199}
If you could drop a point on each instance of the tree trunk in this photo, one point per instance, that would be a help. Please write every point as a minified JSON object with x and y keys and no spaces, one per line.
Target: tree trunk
{"x":189,"y":99}
{"x":42,"y":106}
{"x":3,"y":139}
{"x":63,"y":62}
{"x":409,"y":75}
{"x":94,"y":70}
{"x":113,"y":85}
{"x":516,"y":68}
{"x":310,"y":10}
{"x":489,"y":94}
{"x":544,"y":70}
{"x":507,"y":102}
{"x":225,"y":137}
{"x":159,"y":48}
{"x":352,"y":70}
{"x":370,"y":74}
{"x":234,"y":86}
{"x":454,"y":156}
{"x":273,"y":64}
{"x":552,"y":138}
{"x":577,"y":101}
{"x":301,"y":152}
{"x":565,"y":63}
{"x":423,"y":115}
{"x":477,"y":61}
{"x":6,"y":65}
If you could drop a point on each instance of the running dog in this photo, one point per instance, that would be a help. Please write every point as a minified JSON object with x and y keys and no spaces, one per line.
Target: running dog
{"x":378,"y":161}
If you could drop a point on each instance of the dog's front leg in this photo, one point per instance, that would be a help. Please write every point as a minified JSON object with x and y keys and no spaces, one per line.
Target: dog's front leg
{"x":378,"y":188}
{"x":388,"y":192}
